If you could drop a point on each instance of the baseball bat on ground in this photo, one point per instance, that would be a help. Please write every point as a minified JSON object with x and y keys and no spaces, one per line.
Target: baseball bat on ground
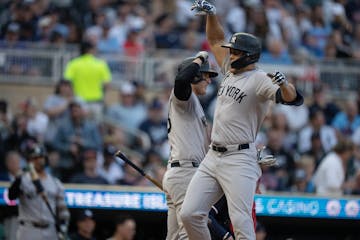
{"x":119,"y":154}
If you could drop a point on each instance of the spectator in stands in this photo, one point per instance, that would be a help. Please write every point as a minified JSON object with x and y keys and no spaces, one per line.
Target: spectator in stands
{"x":12,"y":36}
{"x":165,"y":34}
{"x":356,"y":187}
{"x":37,"y":121}
{"x":155,"y":125}
{"x":111,"y":170}
{"x":86,"y":224}
{"x":132,"y":45}
{"x":346,"y":121}
{"x":90,"y":77}
{"x":316,"y":37}
{"x":322,"y":102}
{"x":75,"y":133}
{"x":285,"y":167}
{"x":304,"y":175}
{"x":125,"y":228}
{"x":5,"y":128}
{"x":19,"y":134}
{"x":276,"y":53}
{"x":13,"y":168}
{"x":131,"y":176}
{"x":56,"y":106}
{"x":107,"y":43}
{"x":127,"y":112}
{"x":316,"y":150}
{"x":329,"y":177}
{"x":90,"y":174}
{"x":317,"y":124}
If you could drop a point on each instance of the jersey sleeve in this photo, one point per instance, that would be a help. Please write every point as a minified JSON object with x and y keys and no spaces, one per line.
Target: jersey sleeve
{"x":265,"y":89}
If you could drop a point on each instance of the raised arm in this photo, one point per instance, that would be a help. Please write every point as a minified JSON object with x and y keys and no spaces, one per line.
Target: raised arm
{"x":216,"y":37}
{"x":214,"y":31}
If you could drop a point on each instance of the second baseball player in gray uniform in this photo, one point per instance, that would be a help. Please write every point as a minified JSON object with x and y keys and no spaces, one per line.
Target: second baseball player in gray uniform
{"x":35,"y":219}
{"x":188,"y":136}
{"x":230,"y":166}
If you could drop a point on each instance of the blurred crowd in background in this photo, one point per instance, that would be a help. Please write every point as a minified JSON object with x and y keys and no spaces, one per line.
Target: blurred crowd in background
{"x":291,"y":30}
{"x":81,"y":133}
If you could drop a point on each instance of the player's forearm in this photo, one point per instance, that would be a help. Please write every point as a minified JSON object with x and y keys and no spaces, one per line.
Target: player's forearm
{"x":14,"y":190}
{"x":182,"y":86}
{"x":288,"y":92}
{"x":214,"y":31}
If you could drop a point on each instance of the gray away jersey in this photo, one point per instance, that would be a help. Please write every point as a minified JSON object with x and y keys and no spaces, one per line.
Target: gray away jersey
{"x":242,"y":103}
{"x":32,"y":207}
{"x":187,"y":129}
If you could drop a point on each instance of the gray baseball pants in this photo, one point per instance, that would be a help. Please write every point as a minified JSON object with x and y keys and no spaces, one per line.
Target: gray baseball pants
{"x":175,"y":183}
{"x":231,"y":173}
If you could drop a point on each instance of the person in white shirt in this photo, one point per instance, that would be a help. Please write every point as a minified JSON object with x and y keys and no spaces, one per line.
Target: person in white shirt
{"x":329,"y":178}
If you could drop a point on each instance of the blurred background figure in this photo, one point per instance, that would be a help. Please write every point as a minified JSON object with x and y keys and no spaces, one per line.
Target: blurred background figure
{"x":90,"y":77}
{"x":260,"y":231}
{"x":75,"y":133}
{"x":330,"y":176}
{"x":125,"y":228}
{"x":85,"y":223}
{"x":89,"y":173}
{"x":111,"y":170}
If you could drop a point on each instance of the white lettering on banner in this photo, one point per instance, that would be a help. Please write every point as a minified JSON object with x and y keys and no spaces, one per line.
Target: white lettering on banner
{"x":154,"y":201}
{"x":291,"y":207}
{"x":98,"y":199}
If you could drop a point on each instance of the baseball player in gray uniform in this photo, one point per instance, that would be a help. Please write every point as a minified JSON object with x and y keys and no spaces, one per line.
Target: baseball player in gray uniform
{"x":230,"y":166}
{"x":35,"y":218}
{"x":188,"y":135}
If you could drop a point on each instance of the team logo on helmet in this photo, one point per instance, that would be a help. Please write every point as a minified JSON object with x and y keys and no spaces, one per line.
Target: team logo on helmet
{"x":233,"y":39}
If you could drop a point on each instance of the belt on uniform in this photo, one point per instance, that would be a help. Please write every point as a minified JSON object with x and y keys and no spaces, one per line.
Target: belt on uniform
{"x":223,"y":149}
{"x":177,"y":164}
{"x":35,"y":224}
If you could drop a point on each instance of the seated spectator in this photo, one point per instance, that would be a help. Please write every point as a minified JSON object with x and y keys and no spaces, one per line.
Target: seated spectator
{"x":276,"y":53}
{"x":111,"y":170}
{"x":132,"y":45}
{"x":19,"y":134}
{"x":303,"y":175}
{"x":356,"y":187}
{"x":155,"y":125}
{"x":5,"y":128}
{"x":317,"y":124}
{"x":37,"y":121}
{"x":89,"y":175}
{"x":86,"y":224}
{"x":131,"y":176}
{"x":346,"y":122}
{"x":283,"y":172}
{"x":165,"y":34}
{"x":127,"y":112}
{"x":56,"y":106}
{"x":329,"y":177}
{"x":321,"y":102}
{"x":125,"y":228}
{"x":316,"y":150}
{"x":13,"y":167}
{"x":75,"y":133}
{"x":106,"y":42}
